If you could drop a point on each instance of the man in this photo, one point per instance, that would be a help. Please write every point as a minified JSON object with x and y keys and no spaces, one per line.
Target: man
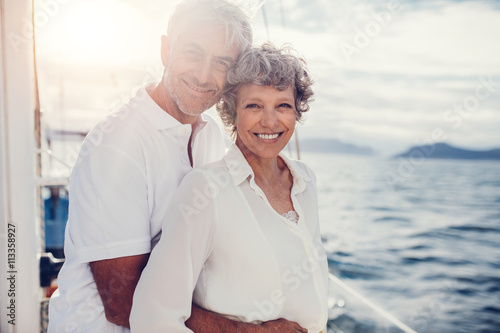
{"x":130,"y":166}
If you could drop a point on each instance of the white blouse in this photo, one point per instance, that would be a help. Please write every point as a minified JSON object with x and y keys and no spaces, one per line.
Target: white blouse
{"x":226,"y":249}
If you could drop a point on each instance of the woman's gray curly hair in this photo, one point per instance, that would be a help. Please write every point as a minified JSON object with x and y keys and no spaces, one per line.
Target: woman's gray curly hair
{"x":266,"y":65}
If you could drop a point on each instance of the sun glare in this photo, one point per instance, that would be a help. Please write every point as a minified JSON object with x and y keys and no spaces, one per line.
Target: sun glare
{"x":92,"y":31}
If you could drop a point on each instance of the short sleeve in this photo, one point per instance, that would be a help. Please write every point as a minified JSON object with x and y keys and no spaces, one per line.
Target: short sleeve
{"x":108,"y":214}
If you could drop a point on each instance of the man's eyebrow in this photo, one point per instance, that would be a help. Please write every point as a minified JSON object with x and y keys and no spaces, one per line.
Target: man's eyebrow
{"x":198,"y":47}
{"x":193,"y":44}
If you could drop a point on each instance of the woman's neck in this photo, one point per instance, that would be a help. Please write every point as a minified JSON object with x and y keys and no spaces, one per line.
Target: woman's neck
{"x":266,"y":170}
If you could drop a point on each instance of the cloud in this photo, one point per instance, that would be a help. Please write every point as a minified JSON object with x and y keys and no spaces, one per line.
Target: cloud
{"x":386,"y":71}
{"x":389,"y":76}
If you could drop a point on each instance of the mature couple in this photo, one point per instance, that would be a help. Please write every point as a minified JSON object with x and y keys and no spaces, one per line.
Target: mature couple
{"x":168,"y":234}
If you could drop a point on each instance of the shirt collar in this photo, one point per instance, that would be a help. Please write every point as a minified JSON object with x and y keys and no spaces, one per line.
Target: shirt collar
{"x":296,"y":171}
{"x":237,"y":165}
{"x":300,"y":177}
{"x":158,"y":117}
{"x":239,"y":168}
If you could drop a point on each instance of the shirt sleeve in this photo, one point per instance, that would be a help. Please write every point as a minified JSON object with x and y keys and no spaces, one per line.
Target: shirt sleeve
{"x":108,"y":213}
{"x":163,"y":297}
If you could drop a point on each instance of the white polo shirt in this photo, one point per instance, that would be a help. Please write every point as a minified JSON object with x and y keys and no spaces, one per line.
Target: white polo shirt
{"x":223,"y":240}
{"x":127,"y":172}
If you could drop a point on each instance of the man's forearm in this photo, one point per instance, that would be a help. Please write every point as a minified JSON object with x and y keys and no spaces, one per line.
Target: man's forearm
{"x":116,"y":280}
{"x":204,"y":321}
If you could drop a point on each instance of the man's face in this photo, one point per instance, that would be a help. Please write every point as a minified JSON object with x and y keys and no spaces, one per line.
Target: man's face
{"x":197,"y":66}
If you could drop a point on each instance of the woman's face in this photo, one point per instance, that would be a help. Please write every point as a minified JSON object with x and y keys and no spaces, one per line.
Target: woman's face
{"x":265,"y":120}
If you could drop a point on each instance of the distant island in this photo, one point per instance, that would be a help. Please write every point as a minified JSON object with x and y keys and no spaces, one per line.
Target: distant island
{"x":333,"y":146}
{"x":445,"y":151}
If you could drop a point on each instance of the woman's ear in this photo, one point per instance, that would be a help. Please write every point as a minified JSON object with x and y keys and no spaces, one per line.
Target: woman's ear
{"x":165,"y":50}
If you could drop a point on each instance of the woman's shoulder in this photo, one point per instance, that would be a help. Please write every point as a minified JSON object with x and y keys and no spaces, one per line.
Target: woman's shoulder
{"x":215,"y":166}
{"x":209,"y":171}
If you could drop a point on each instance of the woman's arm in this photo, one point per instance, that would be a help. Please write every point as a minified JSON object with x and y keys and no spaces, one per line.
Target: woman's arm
{"x":163,"y":297}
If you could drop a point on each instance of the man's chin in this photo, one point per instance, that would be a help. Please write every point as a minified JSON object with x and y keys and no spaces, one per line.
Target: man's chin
{"x":193,"y":111}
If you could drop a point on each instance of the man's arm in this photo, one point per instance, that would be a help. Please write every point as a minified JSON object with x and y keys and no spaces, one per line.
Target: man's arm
{"x":116,"y":280}
{"x":203,"y":321}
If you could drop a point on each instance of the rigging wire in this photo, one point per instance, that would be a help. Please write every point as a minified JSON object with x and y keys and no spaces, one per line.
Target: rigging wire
{"x":37,"y":111}
{"x":295,"y":133}
{"x":282,"y":15}
{"x":38,"y":134}
{"x":264,"y":15}
{"x":283,"y":24}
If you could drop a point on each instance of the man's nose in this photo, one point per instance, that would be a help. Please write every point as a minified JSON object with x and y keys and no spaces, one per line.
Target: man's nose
{"x":204,"y":71}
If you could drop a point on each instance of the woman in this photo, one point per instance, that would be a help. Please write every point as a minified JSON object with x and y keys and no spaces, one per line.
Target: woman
{"x":242,"y":238}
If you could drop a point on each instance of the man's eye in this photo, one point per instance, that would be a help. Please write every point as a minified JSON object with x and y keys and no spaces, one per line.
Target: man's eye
{"x":221,"y":65}
{"x":192,"y":54}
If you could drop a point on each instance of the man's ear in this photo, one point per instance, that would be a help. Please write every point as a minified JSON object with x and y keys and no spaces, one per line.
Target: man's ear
{"x":165,"y":50}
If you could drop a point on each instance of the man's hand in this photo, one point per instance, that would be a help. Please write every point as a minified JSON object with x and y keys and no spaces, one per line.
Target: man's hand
{"x":116,"y":280}
{"x":282,"y":325}
{"x":204,"y":321}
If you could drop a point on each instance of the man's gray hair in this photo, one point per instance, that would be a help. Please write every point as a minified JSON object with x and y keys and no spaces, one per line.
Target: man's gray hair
{"x":235,"y":21}
{"x":266,"y":66}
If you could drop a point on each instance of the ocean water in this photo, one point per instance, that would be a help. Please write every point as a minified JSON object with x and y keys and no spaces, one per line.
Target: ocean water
{"x":419,"y":238}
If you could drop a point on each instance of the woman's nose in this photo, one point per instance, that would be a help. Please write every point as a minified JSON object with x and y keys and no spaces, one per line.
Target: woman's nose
{"x":269,"y":117}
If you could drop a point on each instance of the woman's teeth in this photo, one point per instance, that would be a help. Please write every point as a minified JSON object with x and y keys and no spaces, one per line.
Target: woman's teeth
{"x":268,"y":136}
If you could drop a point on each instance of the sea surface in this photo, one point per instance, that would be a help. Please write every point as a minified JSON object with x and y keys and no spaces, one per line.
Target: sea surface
{"x":419,"y":238}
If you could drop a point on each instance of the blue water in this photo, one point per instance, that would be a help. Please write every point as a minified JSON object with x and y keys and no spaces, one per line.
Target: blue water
{"x":420,"y":238}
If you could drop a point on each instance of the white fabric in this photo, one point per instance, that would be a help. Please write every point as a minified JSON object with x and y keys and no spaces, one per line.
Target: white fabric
{"x":243,"y":260}
{"x":127,"y":172}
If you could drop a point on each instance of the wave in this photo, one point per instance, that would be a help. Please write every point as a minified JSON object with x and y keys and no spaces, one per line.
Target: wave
{"x":393,"y":219}
{"x":354,"y":271}
{"x":474,"y":228}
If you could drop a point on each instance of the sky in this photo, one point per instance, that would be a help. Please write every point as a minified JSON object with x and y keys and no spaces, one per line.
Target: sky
{"x":388,"y":74}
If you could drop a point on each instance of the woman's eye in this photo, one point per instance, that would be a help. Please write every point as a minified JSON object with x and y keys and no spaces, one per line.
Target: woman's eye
{"x":285,"y":105}
{"x":251,"y":106}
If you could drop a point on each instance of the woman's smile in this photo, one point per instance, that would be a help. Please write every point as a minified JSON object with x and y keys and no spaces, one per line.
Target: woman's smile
{"x":268,"y":137}
{"x":265,"y":120}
